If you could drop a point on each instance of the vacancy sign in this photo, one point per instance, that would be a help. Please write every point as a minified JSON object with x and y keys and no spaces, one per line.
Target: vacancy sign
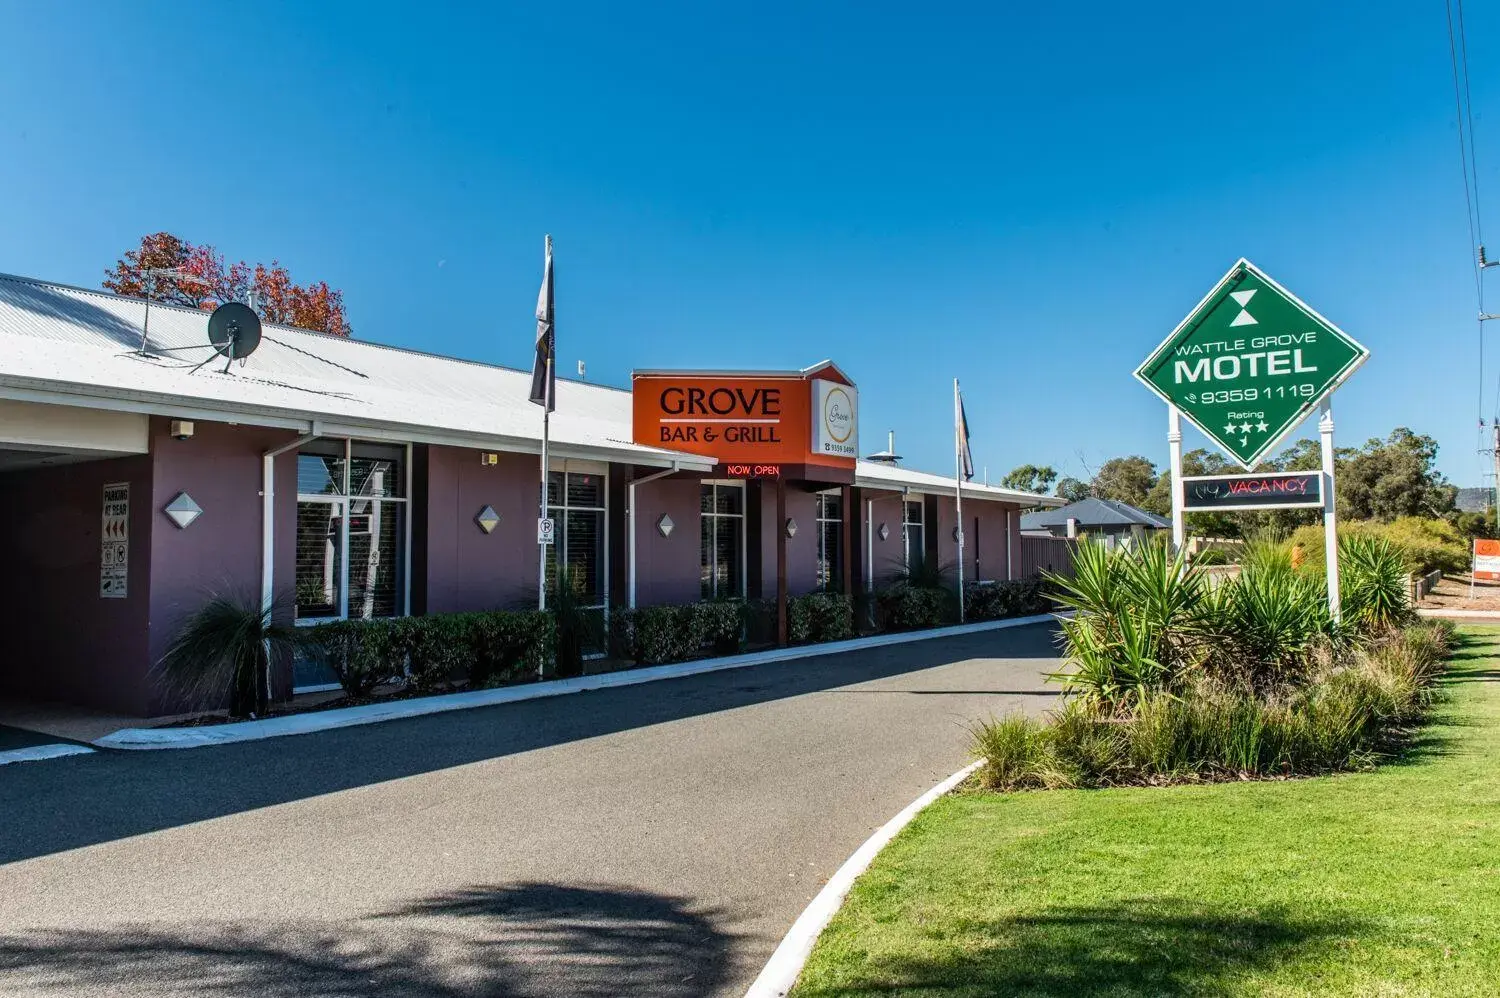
{"x":114,"y":542}
{"x":1486,"y":559}
{"x":1249,"y":363}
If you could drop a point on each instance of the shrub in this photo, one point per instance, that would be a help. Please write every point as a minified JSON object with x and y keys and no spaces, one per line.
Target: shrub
{"x":1211,"y":556}
{"x":1373,"y":592}
{"x":223,"y":652}
{"x":361,"y":654}
{"x":1268,"y":620}
{"x":656,"y":635}
{"x":1425,"y":544}
{"x":1349,"y":715}
{"x":998,"y":600}
{"x":905,"y":606}
{"x":1011,"y":748}
{"x":438,"y":648}
{"x":817,"y":617}
{"x":510,"y":646}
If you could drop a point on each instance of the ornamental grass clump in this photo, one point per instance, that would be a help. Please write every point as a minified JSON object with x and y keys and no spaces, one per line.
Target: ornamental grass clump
{"x":1169,"y":678}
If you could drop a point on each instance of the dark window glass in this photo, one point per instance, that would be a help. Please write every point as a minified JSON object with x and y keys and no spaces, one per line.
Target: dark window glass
{"x":915,"y":538}
{"x":375,"y":559}
{"x":319,"y":547}
{"x":372,"y":477}
{"x":585,"y":490}
{"x":729,"y":554}
{"x":830,"y":541}
{"x":320,"y":476}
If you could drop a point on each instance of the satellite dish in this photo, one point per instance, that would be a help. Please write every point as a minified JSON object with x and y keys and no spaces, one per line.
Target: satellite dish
{"x":234,"y":330}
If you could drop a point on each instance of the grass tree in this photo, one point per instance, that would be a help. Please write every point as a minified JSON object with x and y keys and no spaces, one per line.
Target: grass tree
{"x":223,"y":652}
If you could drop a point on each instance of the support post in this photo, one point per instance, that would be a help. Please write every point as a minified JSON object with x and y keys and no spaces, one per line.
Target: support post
{"x":1330,"y":517}
{"x":541,"y":549}
{"x":958,"y":493}
{"x":630,"y":527}
{"x":781,"y":629}
{"x":1174,"y":448}
{"x":846,"y":542}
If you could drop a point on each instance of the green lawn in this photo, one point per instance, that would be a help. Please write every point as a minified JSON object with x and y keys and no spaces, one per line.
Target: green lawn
{"x":1373,"y":884}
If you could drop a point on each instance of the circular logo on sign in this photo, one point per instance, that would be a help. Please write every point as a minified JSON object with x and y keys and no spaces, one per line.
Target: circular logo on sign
{"x":838,"y":414}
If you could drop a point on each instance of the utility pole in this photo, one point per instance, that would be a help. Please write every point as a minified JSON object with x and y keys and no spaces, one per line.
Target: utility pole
{"x":1495,"y":455}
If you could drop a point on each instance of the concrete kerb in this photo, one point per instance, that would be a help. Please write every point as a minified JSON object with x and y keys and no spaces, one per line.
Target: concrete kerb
{"x":1457,"y":614}
{"x":781,"y":971}
{"x":36,"y":753}
{"x":344,"y":717}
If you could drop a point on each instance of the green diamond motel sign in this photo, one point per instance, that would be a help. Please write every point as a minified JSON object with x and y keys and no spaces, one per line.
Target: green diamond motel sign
{"x":1249,"y":363}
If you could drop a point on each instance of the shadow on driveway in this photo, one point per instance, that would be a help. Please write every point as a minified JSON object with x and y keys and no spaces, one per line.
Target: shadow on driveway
{"x":521,"y":940}
{"x":85,"y":800}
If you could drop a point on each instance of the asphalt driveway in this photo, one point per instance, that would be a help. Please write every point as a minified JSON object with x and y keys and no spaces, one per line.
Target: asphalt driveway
{"x":648,"y":840}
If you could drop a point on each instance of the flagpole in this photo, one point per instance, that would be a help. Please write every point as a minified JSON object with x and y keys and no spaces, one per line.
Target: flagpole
{"x":958,"y":492}
{"x":542,"y":547}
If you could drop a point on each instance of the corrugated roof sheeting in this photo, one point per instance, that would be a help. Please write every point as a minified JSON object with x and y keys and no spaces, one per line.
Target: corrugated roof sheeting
{"x":82,"y":343}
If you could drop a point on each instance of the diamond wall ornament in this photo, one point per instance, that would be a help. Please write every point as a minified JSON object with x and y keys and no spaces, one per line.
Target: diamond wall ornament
{"x":183,"y":510}
{"x":791,"y":527}
{"x":664,"y":525}
{"x":487,"y":519}
{"x":884,"y":531}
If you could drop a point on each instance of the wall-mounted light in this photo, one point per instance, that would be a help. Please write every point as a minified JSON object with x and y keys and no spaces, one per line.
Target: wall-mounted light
{"x":182,"y":429}
{"x":183,"y":510}
{"x":791,"y":527}
{"x":884,"y":531}
{"x":487,"y":519}
{"x":664,"y":525}
{"x":489,"y":460}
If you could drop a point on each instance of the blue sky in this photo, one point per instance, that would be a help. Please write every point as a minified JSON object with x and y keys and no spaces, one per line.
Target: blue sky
{"x":1027,"y":200}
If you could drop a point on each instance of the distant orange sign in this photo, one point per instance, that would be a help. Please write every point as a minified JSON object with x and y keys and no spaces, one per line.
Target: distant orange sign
{"x":1486,"y":559}
{"x":754,"y":423}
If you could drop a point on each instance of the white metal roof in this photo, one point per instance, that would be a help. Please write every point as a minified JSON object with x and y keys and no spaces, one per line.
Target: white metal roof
{"x":71,"y":345}
{"x":80,"y":347}
{"x":879,"y":475}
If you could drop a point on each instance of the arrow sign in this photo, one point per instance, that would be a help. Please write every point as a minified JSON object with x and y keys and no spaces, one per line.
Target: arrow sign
{"x":1249,"y":363}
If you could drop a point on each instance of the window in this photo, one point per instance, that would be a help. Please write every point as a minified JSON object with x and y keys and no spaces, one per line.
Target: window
{"x":912,"y":535}
{"x":830,"y":523}
{"x":723,"y":541}
{"x":351,"y":527}
{"x":576,"y":502}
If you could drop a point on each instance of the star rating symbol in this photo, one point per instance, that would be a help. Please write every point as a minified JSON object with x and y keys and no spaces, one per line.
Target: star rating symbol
{"x":1244,"y":427}
{"x":1229,"y":430}
{"x":1262,"y":426}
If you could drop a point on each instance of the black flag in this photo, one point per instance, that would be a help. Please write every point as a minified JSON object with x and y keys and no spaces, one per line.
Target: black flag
{"x":544,"y":368}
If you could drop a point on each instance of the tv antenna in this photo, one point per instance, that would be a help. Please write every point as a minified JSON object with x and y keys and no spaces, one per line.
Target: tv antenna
{"x":151,"y":274}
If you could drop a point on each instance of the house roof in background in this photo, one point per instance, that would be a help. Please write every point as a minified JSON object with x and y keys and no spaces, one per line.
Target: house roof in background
{"x":1094,"y":513}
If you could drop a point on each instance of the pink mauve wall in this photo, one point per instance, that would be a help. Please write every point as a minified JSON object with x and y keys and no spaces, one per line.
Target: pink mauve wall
{"x":669,"y":569}
{"x":801,"y":551}
{"x":220,"y":466}
{"x":890,"y":554}
{"x":466,"y":568}
{"x":992,"y":536}
{"x":63,"y":642}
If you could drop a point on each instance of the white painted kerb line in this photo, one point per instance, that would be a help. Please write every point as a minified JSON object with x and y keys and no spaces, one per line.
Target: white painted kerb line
{"x":782,"y":970}
{"x":36,"y":753}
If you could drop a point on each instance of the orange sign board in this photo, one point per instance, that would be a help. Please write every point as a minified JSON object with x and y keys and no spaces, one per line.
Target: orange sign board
{"x":1486,"y":559}
{"x":751,"y":420}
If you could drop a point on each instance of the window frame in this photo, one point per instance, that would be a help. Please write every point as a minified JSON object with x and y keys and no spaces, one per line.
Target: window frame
{"x":714,"y":516}
{"x":829,"y":576}
{"x":342,"y":501}
{"x":909,"y":526}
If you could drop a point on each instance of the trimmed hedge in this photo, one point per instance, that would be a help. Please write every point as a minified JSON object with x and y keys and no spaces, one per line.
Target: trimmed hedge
{"x":907,"y":607}
{"x":998,"y":600}
{"x":818,"y":617}
{"x":437,"y":650}
{"x":655,"y":635}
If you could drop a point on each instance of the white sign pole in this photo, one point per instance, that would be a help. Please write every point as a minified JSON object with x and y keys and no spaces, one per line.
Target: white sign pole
{"x":1174,"y":447}
{"x":1330,"y":518}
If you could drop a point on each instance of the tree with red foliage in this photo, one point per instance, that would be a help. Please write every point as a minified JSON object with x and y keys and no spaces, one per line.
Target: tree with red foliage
{"x":208,"y":281}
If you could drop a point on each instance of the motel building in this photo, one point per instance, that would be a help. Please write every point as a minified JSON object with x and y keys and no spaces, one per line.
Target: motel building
{"x":140,"y":470}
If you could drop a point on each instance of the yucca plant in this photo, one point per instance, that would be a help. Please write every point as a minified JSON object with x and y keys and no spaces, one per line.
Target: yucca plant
{"x":1269,"y":619}
{"x":1373,"y":590}
{"x":1111,"y":673}
{"x":223,"y":651}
